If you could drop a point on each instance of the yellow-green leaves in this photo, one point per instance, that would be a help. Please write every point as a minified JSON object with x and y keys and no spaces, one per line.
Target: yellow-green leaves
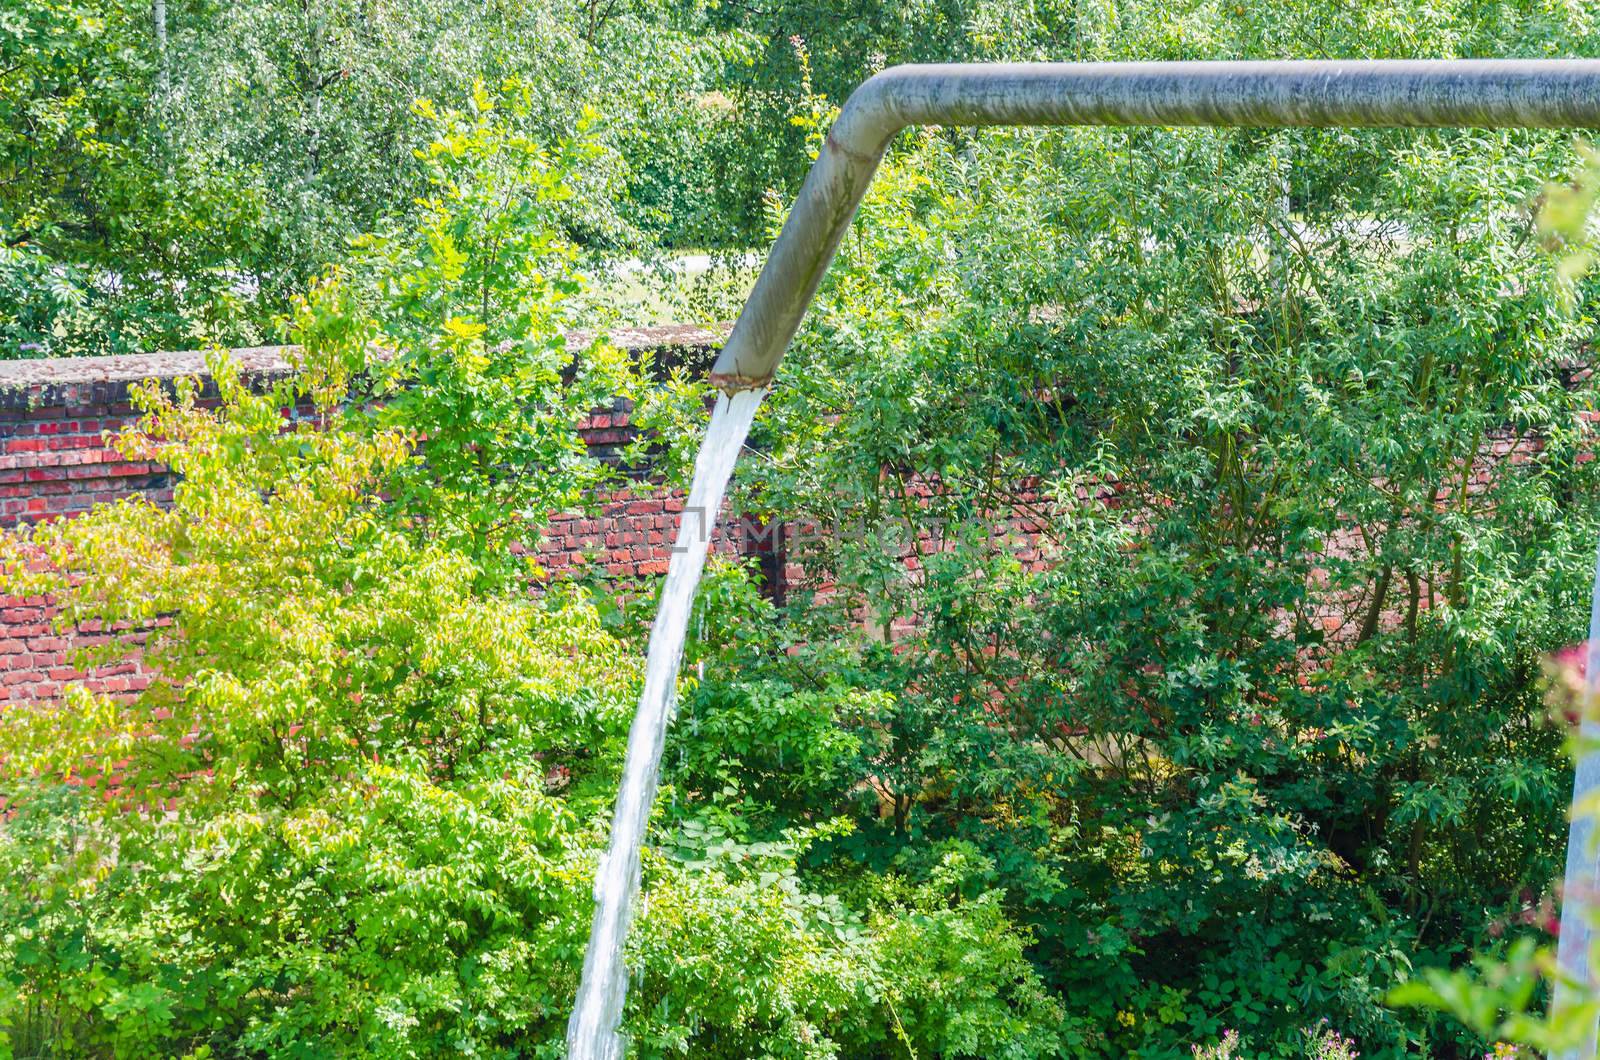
{"x":1565,"y":216}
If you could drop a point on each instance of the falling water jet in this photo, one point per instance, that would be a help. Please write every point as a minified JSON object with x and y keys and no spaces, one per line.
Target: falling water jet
{"x":592,"y":1030}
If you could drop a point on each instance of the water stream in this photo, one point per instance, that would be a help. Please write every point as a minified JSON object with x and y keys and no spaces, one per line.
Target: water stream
{"x":597,"y":1013}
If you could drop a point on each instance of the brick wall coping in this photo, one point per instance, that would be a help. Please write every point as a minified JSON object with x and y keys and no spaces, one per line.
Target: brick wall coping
{"x":102,"y":381}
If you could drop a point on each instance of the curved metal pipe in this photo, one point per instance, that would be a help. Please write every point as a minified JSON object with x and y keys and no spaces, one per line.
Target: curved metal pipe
{"x":1551,"y":93}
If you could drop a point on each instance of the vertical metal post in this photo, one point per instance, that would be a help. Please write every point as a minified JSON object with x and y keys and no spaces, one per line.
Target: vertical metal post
{"x":1581,"y":884}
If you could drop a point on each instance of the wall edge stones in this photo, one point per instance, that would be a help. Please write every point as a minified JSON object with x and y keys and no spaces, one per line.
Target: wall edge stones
{"x":86,"y":382}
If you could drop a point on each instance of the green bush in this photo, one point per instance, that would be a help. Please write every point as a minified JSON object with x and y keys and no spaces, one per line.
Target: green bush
{"x":359,"y":811}
{"x":1247,"y":719}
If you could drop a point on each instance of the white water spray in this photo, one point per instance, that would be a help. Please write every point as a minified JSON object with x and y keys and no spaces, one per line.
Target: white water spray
{"x":592,"y":1031}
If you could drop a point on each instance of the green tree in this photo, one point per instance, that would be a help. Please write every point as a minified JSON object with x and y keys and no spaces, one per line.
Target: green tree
{"x":1152,"y":477}
{"x":176,"y":185}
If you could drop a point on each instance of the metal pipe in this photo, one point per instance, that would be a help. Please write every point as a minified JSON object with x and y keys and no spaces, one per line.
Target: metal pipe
{"x":1559,"y":93}
{"x":1550,"y":93}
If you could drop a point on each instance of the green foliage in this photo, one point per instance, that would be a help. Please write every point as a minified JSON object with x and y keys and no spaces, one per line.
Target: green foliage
{"x":495,"y":391}
{"x":1170,"y":673}
{"x":948,"y":972}
{"x":358,"y":812}
{"x":783,"y":747}
{"x":177,"y":182}
{"x":1234,"y":705}
{"x":109,"y":240}
{"x":1506,"y":992}
{"x":1494,"y":998}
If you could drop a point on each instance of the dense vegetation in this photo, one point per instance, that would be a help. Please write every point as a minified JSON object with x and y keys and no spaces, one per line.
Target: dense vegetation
{"x":384,"y":766}
{"x":1246,"y":733}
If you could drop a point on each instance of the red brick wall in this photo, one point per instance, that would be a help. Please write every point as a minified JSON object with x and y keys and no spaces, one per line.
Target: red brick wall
{"x":54,"y":463}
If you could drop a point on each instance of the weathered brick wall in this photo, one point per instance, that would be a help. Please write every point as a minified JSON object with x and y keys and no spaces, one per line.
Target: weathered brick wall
{"x":54,"y":463}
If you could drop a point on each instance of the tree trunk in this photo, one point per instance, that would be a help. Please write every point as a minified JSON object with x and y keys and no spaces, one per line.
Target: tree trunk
{"x":158,"y":18}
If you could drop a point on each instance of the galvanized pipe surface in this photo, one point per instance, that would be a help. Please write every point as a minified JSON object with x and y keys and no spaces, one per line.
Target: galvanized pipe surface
{"x":1551,"y":93}
{"x":1558,"y":93}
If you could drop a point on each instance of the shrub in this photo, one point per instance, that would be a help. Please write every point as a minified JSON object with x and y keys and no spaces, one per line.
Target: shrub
{"x":358,"y":812}
{"x":1202,"y":503}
